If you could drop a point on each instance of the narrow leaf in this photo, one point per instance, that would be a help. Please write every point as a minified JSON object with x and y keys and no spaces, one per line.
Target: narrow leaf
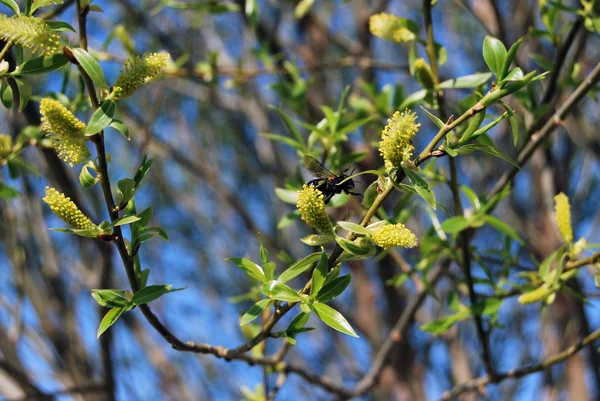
{"x":333,"y":289}
{"x":91,"y":67}
{"x":109,"y":319}
{"x":250,"y":268}
{"x":279,"y":291}
{"x":455,"y":224}
{"x":42,"y":65}
{"x":421,"y":186}
{"x":102,"y":117}
{"x":334,"y":319}
{"x":255,"y":311}
{"x":86,"y":179}
{"x":60,"y":26}
{"x":353,"y":227}
{"x":125,"y":220}
{"x":12,"y":5}
{"x":439,"y":123}
{"x":121,"y":127}
{"x":299,"y":267}
{"x":152,"y":292}
{"x":317,"y":239}
{"x":319,"y":274}
{"x":503,"y":227}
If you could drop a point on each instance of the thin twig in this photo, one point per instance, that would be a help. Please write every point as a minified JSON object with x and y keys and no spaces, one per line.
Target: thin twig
{"x":476,"y":384}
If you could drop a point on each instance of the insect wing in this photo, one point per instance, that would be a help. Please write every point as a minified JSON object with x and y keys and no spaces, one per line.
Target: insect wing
{"x":317,"y":169}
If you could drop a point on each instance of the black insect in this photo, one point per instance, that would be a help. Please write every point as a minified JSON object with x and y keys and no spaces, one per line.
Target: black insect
{"x":327,"y":182}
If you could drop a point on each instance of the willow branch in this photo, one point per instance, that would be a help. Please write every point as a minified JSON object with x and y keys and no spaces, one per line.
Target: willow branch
{"x":476,"y":384}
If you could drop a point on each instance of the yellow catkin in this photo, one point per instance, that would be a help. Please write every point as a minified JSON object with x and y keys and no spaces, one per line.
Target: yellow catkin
{"x":396,"y":146}
{"x":5,"y":145}
{"x":65,"y":131}
{"x":30,"y":32}
{"x":311,"y":205}
{"x":423,"y":73}
{"x":390,"y":27}
{"x":137,"y":71}
{"x":64,"y":208}
{"x":563,"y":217}
{"x":392,"y":235}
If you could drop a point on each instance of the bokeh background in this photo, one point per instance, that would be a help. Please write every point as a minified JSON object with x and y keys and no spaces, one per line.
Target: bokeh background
{"x":212,"y":188}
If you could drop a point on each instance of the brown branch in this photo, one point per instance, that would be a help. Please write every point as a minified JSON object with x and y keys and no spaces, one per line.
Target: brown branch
{"x":476,"y":384}
{"x":548,"y":128}
{"x":85,"y":389}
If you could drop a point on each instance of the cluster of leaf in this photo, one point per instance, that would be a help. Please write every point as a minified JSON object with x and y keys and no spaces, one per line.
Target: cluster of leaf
{"x":360,"y":112}
{"x":325,"y":286}
{"x":15,"y":90}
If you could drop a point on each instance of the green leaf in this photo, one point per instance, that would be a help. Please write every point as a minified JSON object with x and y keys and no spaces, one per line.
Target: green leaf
{"x":441,"y":326}
{"x":439,"y":123}
{"x":297,"y":324}
{"x":353,"y":227}
{"x":317,"y":239}
{"x":287,"y":195}
{"x":288,"y":123}
{"x":284,"y":139}
{"x":334,"y":319}
{"x":363,"y":249}
{"x":494,"y":54}
{"x":455,"y":224}
{"x":12,"y":5}
{"x":299,"y":267}
{"x":264,"y":254}
{"x":514,"y":123}
{"x":514,"y":75}
{"x":37,"y":4}
{"x":472,"y":147}
{"x":413,"y":99}
{"x":488,"y":306}
{"x":250,"y":268}
{"x":474,"y":124}
{"x":90,"y":66}
{"x":111,"y":298}
{"x":255,"y":311}
{"x":466,"y":81}
{"x":121,"y":127}
{"x":512,"y":52}
{"x":279,"y":291}
{"x":319,"y":274}
{"x":353,"y":126}
{"x":60,"y":26}
{"x":333,"y":289}
{"x":125,"y":220}
{"x":109,"y":319}
{"x":142,"y":170}
{"x":503,"y":227}
{"x":152,"y":232}
{"x":125,"y":190}
{"x":151,"y":293}
{"x":86,"y":179}
{"x":88,"y":233}
{"x":6,"y":94}
{"x":7,"y":192}
{"x":42,"y":65}
{"x":24,"y":92}
{"x":544,"y":268}
{"x":421,"y":186}
{"x":102,"y":117}
{"x":145,"y":216}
